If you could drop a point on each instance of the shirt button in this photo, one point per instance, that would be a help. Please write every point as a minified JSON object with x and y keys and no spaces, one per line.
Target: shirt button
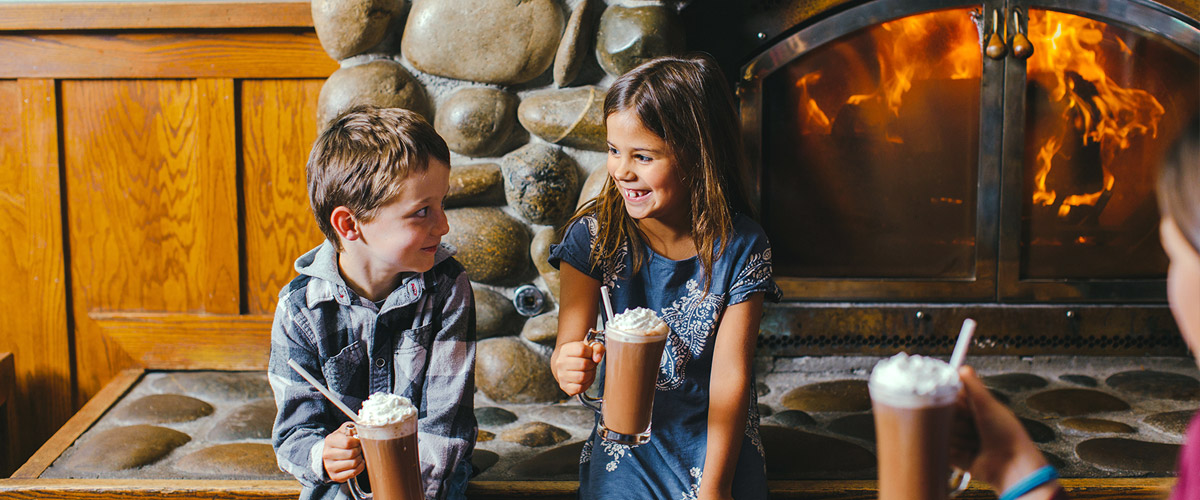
{"x":379,"y":362}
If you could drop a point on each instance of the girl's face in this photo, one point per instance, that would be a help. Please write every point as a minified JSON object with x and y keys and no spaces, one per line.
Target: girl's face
{"x":1183,"y":282}
{"x":644,"y":171}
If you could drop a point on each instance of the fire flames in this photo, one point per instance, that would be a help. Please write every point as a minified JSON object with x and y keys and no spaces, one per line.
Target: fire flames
{"x":1068,"y":61}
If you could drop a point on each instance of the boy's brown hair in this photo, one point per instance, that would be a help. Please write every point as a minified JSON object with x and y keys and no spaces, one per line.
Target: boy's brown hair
{"x":362,"y":158}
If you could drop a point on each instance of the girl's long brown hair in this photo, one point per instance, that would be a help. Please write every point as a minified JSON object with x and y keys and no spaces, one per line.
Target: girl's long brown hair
{"x":686,"y":102}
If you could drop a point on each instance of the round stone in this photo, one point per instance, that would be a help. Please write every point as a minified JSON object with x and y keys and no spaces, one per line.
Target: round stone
{"x":162,"y":408}
{"x":492,"y":416}
{"x":126,"y":448}
{"x":789,"y":454}
{"x":480,"y":184}
{"x":766,"y":410}
{"x":212,"y":385}
{"x":592,"y":186}
{"x":1038,"y":432}
{"x":1055,"y":461}
{"x":350,"y":27}
{"x":483,"y":460}
{"x":508,"y":371}
{"x":476,"y":120}
{"x":1128,"y":455}
{"x":1015,"y":382}
{"x":1171,"y":422}
{"x":382,"y":82}
{"x":1096,"y":426}
{"x":484,"y":436}
{"x":495,"y":315}
{"x":535,"y":434}
{"x":542,"y":329}
{"x":570,"y":117}
{"x":1161,"y":385}
{"x":252,"y":420}
{"x":794,"y":418}
{"x":1083,"y":380}
{"x":1072,"y":402}
{"x":235,"y":460}
{"x":539,"y":251}
{"x":860,"y":426}
{"x":561,"y":462}
{"x":540,"y":183}
{"x":492,"y":246}
{"x":572,"y":49}
{"x":483,"y":40}
{"x":629,"y":36}
{"x":838,"y":395}
{"x":570,"y":414}
{"x":762,"y":388}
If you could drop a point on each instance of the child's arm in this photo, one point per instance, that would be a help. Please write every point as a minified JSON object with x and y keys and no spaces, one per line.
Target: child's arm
{"x":302,"y":421}
{"x":729,"y":396}
{"x":574,"y":362}
{"x":447,"y":429}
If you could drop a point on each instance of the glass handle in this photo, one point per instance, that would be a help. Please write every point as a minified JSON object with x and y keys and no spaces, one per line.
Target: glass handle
{"x":1021,"y":47}
{"x":588,"y":401}
{"x":995,"y":48}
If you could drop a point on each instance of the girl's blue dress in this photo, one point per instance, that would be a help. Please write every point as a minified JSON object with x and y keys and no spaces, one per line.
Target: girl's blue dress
{"x":670,"y":466}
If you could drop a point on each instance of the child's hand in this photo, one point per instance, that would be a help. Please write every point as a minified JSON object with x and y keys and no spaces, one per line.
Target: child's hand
{"x":989,"y":441}
{"x":574,"y":365}
{"x":342,"y":455}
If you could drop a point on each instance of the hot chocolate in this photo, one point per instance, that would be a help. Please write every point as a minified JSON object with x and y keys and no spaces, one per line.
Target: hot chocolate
{"x":633,"y":342}
{"x":913,"y":400}
{"x":387,"y":429}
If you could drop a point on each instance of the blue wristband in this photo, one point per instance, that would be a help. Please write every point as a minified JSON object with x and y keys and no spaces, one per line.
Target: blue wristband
{"x":1030,"y":482}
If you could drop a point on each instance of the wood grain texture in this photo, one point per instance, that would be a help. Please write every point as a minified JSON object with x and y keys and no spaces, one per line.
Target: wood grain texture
{"x":80,"y":422}
{"x":279,"y":124}
{"x":189,"y":341}
{"x":216,"y":168}
{"x":232,"y":54}
{"x":34,"y":270}
{"x":140,"y":213}
{"x":153,"y":15}
{"x":110,"y":489}
{"x":8,"y":427}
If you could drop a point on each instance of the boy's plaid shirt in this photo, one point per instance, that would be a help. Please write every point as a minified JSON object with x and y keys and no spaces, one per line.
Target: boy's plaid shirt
{"x":419,"y":344}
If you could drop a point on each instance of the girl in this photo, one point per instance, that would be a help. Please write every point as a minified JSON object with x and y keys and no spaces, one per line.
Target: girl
{"x":671,"y":231}
{"x":1001,"y":453}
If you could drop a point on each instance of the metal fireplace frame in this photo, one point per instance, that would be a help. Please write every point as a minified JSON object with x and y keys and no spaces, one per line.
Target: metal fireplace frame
{"x":996,"y":269}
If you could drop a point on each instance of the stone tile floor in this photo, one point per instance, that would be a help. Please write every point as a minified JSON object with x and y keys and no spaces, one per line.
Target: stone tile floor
{"x":1093,"y":416}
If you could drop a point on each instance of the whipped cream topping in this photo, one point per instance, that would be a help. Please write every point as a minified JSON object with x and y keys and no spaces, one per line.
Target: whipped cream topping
{"x":639,"y":321}
{"x":913,"y":382}
{"x":384,"y":409}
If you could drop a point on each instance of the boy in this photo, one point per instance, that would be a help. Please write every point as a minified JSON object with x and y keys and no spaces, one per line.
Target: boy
{"x":379,"y":306}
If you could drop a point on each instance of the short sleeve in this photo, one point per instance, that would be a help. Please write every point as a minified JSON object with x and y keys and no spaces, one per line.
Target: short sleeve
{"x":576,"y":248}
{"x":754,"y":269}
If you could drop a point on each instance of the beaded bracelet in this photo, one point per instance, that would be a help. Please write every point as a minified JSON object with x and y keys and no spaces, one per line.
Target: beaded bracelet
{"x":1030,"y":482}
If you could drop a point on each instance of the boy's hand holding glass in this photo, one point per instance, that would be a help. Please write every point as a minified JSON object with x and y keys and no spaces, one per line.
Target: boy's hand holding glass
{"x":342,"y":455}
{"x":574,"y":366}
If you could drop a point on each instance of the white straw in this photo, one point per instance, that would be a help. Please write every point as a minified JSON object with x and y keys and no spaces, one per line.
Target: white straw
{"x":608,"y":314}
{"x":337,"y":402}
{"x":964,"y":342}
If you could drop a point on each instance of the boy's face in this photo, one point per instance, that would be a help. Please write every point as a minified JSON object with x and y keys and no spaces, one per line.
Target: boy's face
{"x":405,"y":233}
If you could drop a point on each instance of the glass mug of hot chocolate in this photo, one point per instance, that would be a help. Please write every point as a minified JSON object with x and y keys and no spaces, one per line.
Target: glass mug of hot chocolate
{"x":633,"y":344}
{"x":913,"y":401}
{"x":387,"y":430}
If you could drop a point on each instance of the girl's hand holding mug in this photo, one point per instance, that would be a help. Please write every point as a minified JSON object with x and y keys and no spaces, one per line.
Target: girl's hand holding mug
{"x":574,"y":365}
{"x":342,"y":455}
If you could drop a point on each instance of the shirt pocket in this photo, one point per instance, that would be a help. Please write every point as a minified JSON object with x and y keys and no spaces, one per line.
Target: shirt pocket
{"x":415,"y":339}
{"x":342,"y":369}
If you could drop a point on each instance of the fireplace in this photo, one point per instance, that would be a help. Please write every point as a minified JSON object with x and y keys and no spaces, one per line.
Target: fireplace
{"x":917,"y":162}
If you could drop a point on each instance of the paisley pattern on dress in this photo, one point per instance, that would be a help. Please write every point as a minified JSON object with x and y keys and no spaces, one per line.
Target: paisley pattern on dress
{"x":586,"y":455}
{"x":756,"y":271}
{"x":693,"y":319}
{"x":616,"y":451}
{"x":752,"y":422}
{"x":693,"y":492}
{"x":612,"y":268}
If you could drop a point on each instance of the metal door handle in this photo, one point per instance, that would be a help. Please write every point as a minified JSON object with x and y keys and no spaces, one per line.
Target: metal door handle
{"x":995,"y":48}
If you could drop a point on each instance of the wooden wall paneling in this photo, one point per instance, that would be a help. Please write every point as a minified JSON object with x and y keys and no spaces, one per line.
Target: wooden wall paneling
{"x":279,"y":124}
{"x":22,"y":16}
{"x":140,"y":214}
{"x":216,"y":166}
{"x":166,"y":341}
{"x":34,"y":291}
{"x":188,"y":54}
